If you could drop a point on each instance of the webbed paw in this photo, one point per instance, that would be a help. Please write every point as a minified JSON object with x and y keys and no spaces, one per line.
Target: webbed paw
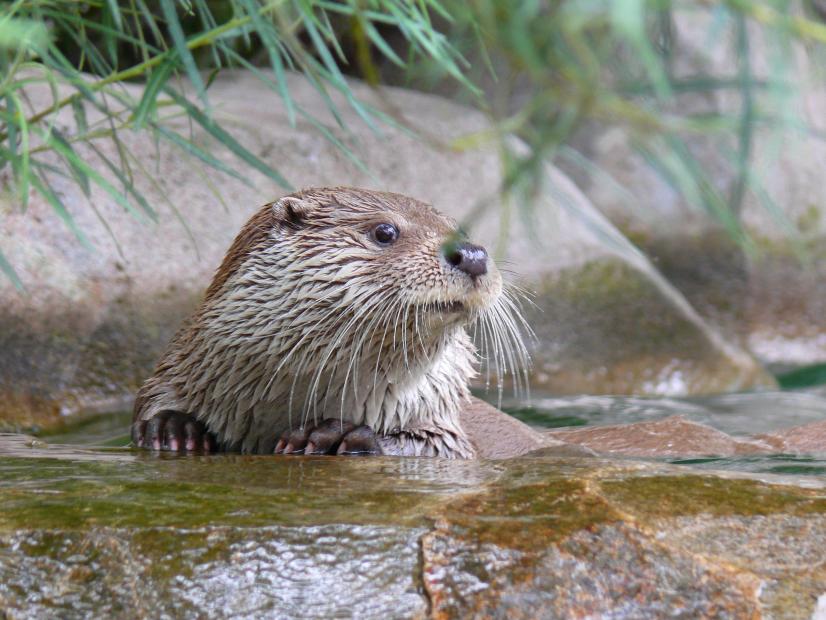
{"x":173,"y":431}
{"x":331,"y":436}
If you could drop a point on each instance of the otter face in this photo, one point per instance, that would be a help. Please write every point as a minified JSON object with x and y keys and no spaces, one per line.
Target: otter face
{"x":445,"y":278}
{"x":403,"y":251}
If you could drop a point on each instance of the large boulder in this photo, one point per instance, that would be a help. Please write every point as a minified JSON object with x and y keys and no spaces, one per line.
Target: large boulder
{"x":768,"y":296}
{"x":92,"y":320}
{"x":95,"y":533}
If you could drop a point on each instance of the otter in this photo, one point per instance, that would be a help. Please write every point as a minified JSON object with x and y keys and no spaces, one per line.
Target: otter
{"x":337,"y":324}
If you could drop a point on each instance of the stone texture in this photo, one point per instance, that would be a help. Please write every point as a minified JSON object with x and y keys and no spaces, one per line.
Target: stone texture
{"x":674,"y":436}
{"x":93,"y":320}
{"x":804,"y":439}
{"x":771,"y":297}
{"x":125,"y":534}
{"x":313,"y":572}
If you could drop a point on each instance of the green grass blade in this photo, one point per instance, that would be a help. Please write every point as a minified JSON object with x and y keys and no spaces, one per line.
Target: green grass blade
{"x":74,"y":23}
{"x":325,"y":131}
{"x":746,"y":115}
{"x":157,"y":79}
{"x":163,"y":194}
{"x":10,"y":273}
{"x":184,"y":53}
{"x":17,"y":126}
{"x":44,"y":167}
{"x":73,"y":161}
{"x":208,"y":23}
{"x":95,"y":176}
{"x":44,"y":189}
{"x":128,"y":185}
{"x":193,"y":149}
{"x":270,"y":41}
{"x":217,"y":132}
{"x":628,"y":17}
{"x":79,"y":114}
{"x":377,"y":40}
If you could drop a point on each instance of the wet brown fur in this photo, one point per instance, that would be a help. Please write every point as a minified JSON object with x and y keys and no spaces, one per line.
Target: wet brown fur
{"x":421,"y":225}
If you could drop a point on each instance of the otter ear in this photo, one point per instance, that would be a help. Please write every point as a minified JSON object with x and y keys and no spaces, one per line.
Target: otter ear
{"x":293,"y":212}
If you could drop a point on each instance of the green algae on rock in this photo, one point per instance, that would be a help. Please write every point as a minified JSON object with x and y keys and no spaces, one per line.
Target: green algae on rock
{"x":114,"y":532}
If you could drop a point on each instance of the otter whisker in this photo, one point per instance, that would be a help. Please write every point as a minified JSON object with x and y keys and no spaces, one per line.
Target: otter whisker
{"x":384,"y":318}
{"x":307,"y":357}
{"x":503,"y":326}
{"x":350,"y":326}
{"x":404,"y":325}
{"x":490,"y":352}
{"x":499,"y":355}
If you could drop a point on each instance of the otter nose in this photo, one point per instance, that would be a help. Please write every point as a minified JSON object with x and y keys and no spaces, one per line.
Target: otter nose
{"x":472,"y":259}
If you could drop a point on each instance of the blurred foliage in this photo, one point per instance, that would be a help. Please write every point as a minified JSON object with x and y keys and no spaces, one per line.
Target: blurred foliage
{"x":93,"y":47}
{"x":551,"y":71}
{"x":801,"y":378}
{"x":541,"y":69}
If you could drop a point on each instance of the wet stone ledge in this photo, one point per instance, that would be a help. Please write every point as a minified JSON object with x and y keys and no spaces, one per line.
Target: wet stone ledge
{"x":122,"y":534}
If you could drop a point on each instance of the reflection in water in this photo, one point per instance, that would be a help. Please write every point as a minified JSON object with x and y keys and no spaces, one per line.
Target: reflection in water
{"x":735,"y":414}
{"x":780,"y":464}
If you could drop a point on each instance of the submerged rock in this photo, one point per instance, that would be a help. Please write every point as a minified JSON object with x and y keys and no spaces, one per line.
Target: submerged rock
{"x":674,"y":436}
{"x":86,"y":532}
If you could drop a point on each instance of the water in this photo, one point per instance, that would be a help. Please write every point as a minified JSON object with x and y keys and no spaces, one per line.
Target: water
{"x":735,"y":414}
{"x":738,"y":415}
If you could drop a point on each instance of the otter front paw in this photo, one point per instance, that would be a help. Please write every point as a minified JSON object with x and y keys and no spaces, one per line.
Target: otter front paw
{"x":331,"y":436}
{"x":173,"y":431}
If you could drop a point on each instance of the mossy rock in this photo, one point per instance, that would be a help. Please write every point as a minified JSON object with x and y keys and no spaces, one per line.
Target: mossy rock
{"x":605,"y":327}
{"x":114,"y":532}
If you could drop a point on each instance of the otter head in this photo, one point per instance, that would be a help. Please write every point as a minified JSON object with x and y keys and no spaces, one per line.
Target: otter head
{"x":378,"y":248}
{"x":402,"y":253}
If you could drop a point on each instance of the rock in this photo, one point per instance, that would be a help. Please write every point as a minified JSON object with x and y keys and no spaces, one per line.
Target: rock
{"x":600,"y":571}
{"x":670,"y":437}
{"x":804,"y":439}
{"x":118,"y":532}
{"x":497,"y":435}
{"x":786,"y":316}
{"x":771,"y":297}
{"x":92,"y":321}
{"x":659,"y":347}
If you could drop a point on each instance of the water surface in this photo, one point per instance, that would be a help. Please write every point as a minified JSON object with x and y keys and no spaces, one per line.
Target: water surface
{"x":738,"y":415}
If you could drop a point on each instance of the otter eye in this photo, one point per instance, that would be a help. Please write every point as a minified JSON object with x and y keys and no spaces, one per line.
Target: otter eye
{"x":385,"y":234}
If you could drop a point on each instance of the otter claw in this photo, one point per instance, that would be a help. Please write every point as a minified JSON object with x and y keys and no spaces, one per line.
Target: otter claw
{"x":292,"y":442}
{"x":331,"y":436}
{"x":173,"y":431}
{"x":361,"y":441}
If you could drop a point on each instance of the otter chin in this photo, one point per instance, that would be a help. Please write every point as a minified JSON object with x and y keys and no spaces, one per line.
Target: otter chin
{"x":337,"y":323}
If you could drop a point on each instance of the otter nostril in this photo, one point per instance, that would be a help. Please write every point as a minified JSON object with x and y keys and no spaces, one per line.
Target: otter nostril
{"x":469,"y":258}
{"x":453,"y":257}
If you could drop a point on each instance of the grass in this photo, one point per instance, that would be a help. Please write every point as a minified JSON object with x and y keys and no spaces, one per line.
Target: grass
{"x":542,"y":71}
{"x":93,"y":47}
